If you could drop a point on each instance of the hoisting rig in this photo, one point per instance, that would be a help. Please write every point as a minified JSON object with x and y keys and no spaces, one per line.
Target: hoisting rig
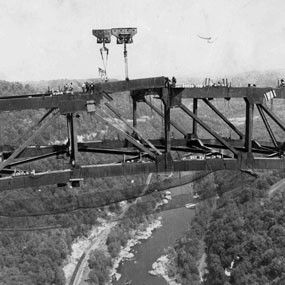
{"x":124,"y":36}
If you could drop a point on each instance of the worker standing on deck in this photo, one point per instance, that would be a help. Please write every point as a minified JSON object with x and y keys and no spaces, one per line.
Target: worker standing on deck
{"x":83,"y":86}
{"x":65,"y":88}
{"x":173,"y":81}
{"x":70,"y":88}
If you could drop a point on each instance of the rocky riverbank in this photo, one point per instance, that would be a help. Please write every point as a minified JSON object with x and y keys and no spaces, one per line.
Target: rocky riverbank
{"x":137,"y":237}
{"x":161,"y":267}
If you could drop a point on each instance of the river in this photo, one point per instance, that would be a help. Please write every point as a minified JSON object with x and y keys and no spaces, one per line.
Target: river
{"x":174,"y":223}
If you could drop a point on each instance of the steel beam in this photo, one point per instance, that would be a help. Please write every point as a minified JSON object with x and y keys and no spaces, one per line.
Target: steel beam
{"x":72,"y":134}
{"x":126,"y":136}
{"x":195,"y":112}
{"x":69,"y":103}
{"x":166,"y":103}
{"x":232,"y":126}
{"x":255,"y":93}
{"x":129,"y":169}
{"x":273,"y":116}
{"x":135,"y":115}
{"x":208,"y":129}
{"x":129,"y":85}
{"x":35,"y":158}
{"x":266,"y":123}
{"x":248,"y":125}
{"x":120,"y":147}
{"x":133,"y":129}
{"x":172,"y":123}
{"x":36,"y":130}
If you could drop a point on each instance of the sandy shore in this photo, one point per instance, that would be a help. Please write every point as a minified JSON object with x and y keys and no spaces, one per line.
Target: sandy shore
{"x":160,"y":267}
{"x":138,"y":237}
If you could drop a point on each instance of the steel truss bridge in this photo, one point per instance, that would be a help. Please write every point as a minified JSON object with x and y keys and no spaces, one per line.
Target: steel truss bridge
{"x":148,"y":155}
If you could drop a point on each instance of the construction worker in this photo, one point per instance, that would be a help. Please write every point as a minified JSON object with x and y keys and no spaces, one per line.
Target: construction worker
{"x":65,"y":88}
{"x":83,"y":86}
{"x":70,"y":88}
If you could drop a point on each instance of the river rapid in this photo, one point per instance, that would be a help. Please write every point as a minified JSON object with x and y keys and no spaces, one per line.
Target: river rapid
{"x":174,"y":223}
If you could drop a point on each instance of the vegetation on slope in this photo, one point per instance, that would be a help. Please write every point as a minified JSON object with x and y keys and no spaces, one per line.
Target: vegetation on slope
{"x":247,"y":228}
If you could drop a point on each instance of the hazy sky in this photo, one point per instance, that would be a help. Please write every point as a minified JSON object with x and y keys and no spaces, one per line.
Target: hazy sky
{"x":49,"y":39}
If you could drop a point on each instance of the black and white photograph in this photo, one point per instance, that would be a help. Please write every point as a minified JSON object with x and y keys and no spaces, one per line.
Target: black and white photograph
{"x":142,"y":142}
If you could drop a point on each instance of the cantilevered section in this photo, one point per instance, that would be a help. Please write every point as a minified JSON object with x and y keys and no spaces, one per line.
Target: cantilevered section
{"x":254,"y":93}
{"x":108,"y":170}
{"x":134,"y":153}
{"x":77,"y":101}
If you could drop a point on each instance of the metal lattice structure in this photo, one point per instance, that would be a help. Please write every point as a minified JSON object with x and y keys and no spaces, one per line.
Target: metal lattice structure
{"x":142,"y":155}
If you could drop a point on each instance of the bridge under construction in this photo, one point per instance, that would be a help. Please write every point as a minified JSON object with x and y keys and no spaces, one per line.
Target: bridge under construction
{"x":141,"y":155}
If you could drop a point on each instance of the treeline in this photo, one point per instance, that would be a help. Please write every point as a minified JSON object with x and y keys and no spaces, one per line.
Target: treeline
{"x":246,"y":234}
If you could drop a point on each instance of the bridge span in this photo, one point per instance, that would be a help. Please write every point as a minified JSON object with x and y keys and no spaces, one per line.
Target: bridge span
{"x":141,"y":155}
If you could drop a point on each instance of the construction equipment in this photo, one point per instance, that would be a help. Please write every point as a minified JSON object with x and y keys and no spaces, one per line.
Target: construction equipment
{"x":124,"y":36}
{"x":103,"y":37}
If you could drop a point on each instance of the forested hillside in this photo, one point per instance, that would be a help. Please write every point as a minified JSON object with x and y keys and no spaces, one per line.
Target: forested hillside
{"x":247,"y":228}
{"x":38,"y":225}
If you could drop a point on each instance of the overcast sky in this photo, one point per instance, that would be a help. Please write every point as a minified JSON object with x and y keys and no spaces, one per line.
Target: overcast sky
{"x":50,"y":39}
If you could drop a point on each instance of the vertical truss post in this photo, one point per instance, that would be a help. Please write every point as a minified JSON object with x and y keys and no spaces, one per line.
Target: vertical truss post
{"x":195,"y":111}
{"x":73,"y":147}
{"x":248,"y":125}
{"x":135,"y":123}
{"x":166,"y":104}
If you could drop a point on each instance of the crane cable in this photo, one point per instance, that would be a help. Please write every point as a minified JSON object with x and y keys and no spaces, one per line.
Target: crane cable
{"x":103,"y":72}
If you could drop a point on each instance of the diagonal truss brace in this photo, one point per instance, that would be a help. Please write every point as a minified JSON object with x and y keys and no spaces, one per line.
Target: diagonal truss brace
{"x":175,"y":125}
{"x":272,"y":116}
{"x":42,"y":124}
{"x":232,"y":126}
{"x":133,"y":129}
{"x":126,"y":136}
{"x":208,"y":129}
{"x":266,"y":123}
